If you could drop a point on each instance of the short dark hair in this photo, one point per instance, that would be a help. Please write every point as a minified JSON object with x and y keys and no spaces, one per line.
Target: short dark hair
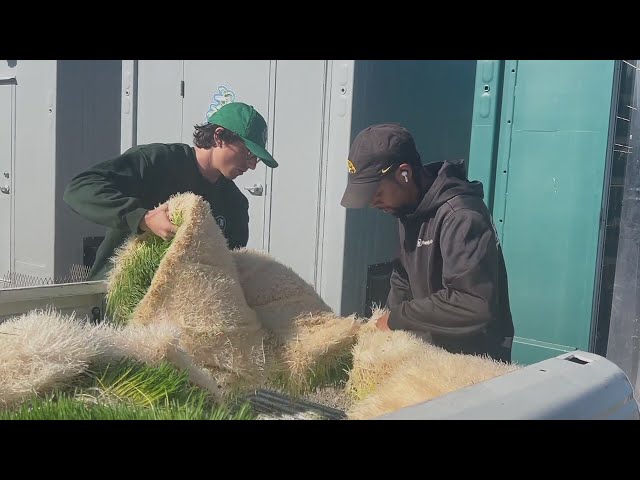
{"x":203,"y":135}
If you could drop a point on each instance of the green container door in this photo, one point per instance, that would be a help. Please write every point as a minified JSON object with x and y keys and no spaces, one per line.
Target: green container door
{"x":547,"y":189}
{"x":485,"y":126}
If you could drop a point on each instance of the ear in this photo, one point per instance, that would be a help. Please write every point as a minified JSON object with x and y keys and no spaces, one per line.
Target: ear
{"x":404,"y":174}
{"x":216,"y":137}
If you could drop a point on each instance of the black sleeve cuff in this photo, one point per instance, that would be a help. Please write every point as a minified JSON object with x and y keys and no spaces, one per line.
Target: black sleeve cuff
{"x":396,"y":321}
{"x":133,"y":219}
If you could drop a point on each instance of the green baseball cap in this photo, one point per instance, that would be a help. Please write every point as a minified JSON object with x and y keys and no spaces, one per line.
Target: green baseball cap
{"x":248,"y":124}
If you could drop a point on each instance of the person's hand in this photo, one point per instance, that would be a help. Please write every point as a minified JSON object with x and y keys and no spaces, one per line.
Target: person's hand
{"x":157,"y":221}
{"x":383,"y":322}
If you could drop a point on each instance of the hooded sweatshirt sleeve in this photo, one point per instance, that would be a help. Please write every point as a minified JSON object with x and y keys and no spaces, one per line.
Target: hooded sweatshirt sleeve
{"x":470,"y":271}
{"x":239,"y":236}
{"x":400,"y":290}
{"x":110,"y":193}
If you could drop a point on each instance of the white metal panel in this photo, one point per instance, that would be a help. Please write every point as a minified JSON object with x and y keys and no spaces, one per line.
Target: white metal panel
{"x":6,"y":194}
{"x":573,"y":386}
{"x":8,"y":69}
{"x":298,"y":147}
{"x":338,"y":138}
{"x":80,"y":299}
{"x":159,"y":101}
{"x":128,"y":106}
{"x":206,"y":82}
{"x":34,"y":167}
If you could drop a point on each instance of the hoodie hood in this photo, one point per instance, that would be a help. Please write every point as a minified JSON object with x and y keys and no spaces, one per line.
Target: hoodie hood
{"x":449,"y":182}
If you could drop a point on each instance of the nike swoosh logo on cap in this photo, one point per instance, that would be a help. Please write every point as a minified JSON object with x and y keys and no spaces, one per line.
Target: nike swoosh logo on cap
{"x":385,"y":170}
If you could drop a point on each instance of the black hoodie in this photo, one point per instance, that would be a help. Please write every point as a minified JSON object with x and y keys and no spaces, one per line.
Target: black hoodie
{"x":450,"y":280}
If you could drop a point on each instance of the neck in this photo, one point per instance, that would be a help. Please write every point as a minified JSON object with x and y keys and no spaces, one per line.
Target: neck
{"x":203,"y":158}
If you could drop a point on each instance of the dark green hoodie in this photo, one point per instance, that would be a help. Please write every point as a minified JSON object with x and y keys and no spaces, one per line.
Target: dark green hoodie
{"x":118,"y":192}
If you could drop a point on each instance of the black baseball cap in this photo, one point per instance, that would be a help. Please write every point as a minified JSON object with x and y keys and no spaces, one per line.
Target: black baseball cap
{"x":373,"y":152}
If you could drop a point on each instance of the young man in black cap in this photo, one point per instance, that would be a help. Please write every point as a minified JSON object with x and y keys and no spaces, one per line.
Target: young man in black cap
{"x":449,"y":284}
{"x":127,"y":194}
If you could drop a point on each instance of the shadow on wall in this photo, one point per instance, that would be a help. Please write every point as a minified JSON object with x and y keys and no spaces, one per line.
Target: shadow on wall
{"x":434,"y":100}
{"x":88,"y":132}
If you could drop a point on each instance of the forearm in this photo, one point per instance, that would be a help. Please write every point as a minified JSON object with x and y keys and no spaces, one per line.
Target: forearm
{"x":448,"y":312}
{"x":98,"y":200}
{"x":238,"y":236}
{"x":399,"y":286}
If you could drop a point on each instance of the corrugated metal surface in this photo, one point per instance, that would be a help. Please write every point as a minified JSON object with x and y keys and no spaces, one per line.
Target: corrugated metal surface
{"x":274,"y":405}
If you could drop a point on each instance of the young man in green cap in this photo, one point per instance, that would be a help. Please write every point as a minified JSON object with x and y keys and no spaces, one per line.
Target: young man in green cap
{"x":449,"y":284}
{"x":127,"y":194}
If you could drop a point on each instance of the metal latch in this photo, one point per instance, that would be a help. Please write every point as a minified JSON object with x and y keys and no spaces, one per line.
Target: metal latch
{"x":6,"y":188}
{"x":256,"y":190}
